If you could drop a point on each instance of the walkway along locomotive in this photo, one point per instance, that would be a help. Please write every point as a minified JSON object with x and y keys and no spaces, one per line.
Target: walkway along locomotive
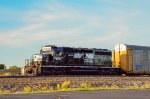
{"x":124,"y":59}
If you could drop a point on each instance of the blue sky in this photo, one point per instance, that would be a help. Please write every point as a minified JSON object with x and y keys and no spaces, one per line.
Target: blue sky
{"x":27,"y":25}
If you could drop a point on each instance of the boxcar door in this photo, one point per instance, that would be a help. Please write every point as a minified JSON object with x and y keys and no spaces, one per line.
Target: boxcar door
{"x":130,"y":60}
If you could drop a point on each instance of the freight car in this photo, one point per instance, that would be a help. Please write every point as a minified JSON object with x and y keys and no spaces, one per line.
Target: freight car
{"x":132,"y":59}
{"x":68,"y":60}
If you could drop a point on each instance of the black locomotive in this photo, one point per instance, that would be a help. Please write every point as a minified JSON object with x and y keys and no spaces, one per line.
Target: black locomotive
{"x":69,"y":60}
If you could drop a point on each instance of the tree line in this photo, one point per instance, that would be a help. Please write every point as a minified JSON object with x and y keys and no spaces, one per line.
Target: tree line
{"x":2,"y":66}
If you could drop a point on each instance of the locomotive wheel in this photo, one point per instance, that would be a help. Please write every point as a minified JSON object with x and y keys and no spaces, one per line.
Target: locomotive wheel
{"x":47,"y":71}
{"x":99,"y":72}
{"x":52,"y":71}
{"x":63,"y":72}
{"x":43,"y":71}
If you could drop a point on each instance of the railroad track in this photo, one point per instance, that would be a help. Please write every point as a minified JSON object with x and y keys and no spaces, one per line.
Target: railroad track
{"x":75,"y":76}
